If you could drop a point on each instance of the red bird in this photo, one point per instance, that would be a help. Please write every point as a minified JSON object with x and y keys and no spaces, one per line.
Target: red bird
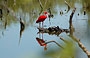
{"x":41,"y":18}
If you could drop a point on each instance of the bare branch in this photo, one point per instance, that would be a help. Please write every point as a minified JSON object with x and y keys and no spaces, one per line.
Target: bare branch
{"x":70,"y":22}
{"x":40,"y":6}
{"x":63,"y":40}
{"x":45,"y":3}
{"x":53,"y":30}
{"x":81,"y":46}
{"x":74,"y":38}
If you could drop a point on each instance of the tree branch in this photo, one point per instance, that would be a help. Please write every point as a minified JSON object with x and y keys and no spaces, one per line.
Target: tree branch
{"x":74,"y":38}
{"x":81,"y":46}
{"x":70,"y":22}
{"x":53,"y":30}
{"x":63,"y":40}
{"x":40,"y":6}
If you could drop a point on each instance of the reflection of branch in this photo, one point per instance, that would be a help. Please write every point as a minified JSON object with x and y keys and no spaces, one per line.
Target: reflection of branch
{"x":40,"y":6}
{"x":5,"y":24}
{"x":45,"y":3}
{"x":22,"y":27}
{"x":9,"y":10}
{"x":68,"y":6}
{"x":55,"y":43}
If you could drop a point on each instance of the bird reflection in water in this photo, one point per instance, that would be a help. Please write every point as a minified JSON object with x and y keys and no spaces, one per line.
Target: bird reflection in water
{"x":42,"y":43}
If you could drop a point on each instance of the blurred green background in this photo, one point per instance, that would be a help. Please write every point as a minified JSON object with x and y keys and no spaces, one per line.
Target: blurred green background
{"x":29,"y":11}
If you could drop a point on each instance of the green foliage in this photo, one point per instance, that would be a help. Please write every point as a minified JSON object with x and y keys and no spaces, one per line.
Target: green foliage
{"x":69,"y":51}
{"x":32,"y":7}
{"x":86,"y":5}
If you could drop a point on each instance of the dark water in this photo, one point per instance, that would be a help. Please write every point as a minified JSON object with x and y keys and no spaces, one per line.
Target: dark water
{"x":29,"y":47}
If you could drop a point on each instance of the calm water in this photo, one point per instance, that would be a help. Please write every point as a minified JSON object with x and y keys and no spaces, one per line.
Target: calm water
{"x":29,"y":48}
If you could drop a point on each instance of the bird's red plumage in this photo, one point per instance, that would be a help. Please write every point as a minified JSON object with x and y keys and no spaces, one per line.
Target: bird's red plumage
{"x":41,"y":42}
{"x":41,"y":18}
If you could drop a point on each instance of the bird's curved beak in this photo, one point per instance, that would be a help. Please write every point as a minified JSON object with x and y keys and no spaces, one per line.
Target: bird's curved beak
{"x":48,"y":14}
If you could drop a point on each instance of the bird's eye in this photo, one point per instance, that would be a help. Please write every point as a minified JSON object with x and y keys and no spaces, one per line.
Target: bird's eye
{"x":45,"y":12}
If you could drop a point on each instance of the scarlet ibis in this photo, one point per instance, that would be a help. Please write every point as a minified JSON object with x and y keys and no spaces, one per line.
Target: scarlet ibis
{"x":41,"y":18}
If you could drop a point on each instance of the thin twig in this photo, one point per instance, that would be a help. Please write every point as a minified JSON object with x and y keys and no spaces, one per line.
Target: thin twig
{"x":55,"y":43}
{"x":40,"y":6}
{"x":63,"y":40}
{"x":68,"y":6}
{"x":45,"y":3}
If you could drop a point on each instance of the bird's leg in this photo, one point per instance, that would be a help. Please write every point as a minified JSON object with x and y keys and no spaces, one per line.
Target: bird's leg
{"x":42,"y":32}
{"x":42,"y":27}
{"x":42,"y":35}
{"x":39,"y":25}
{"x":42,"y":24}
{"x":39,"y":35}
{"x":49,"y":21}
